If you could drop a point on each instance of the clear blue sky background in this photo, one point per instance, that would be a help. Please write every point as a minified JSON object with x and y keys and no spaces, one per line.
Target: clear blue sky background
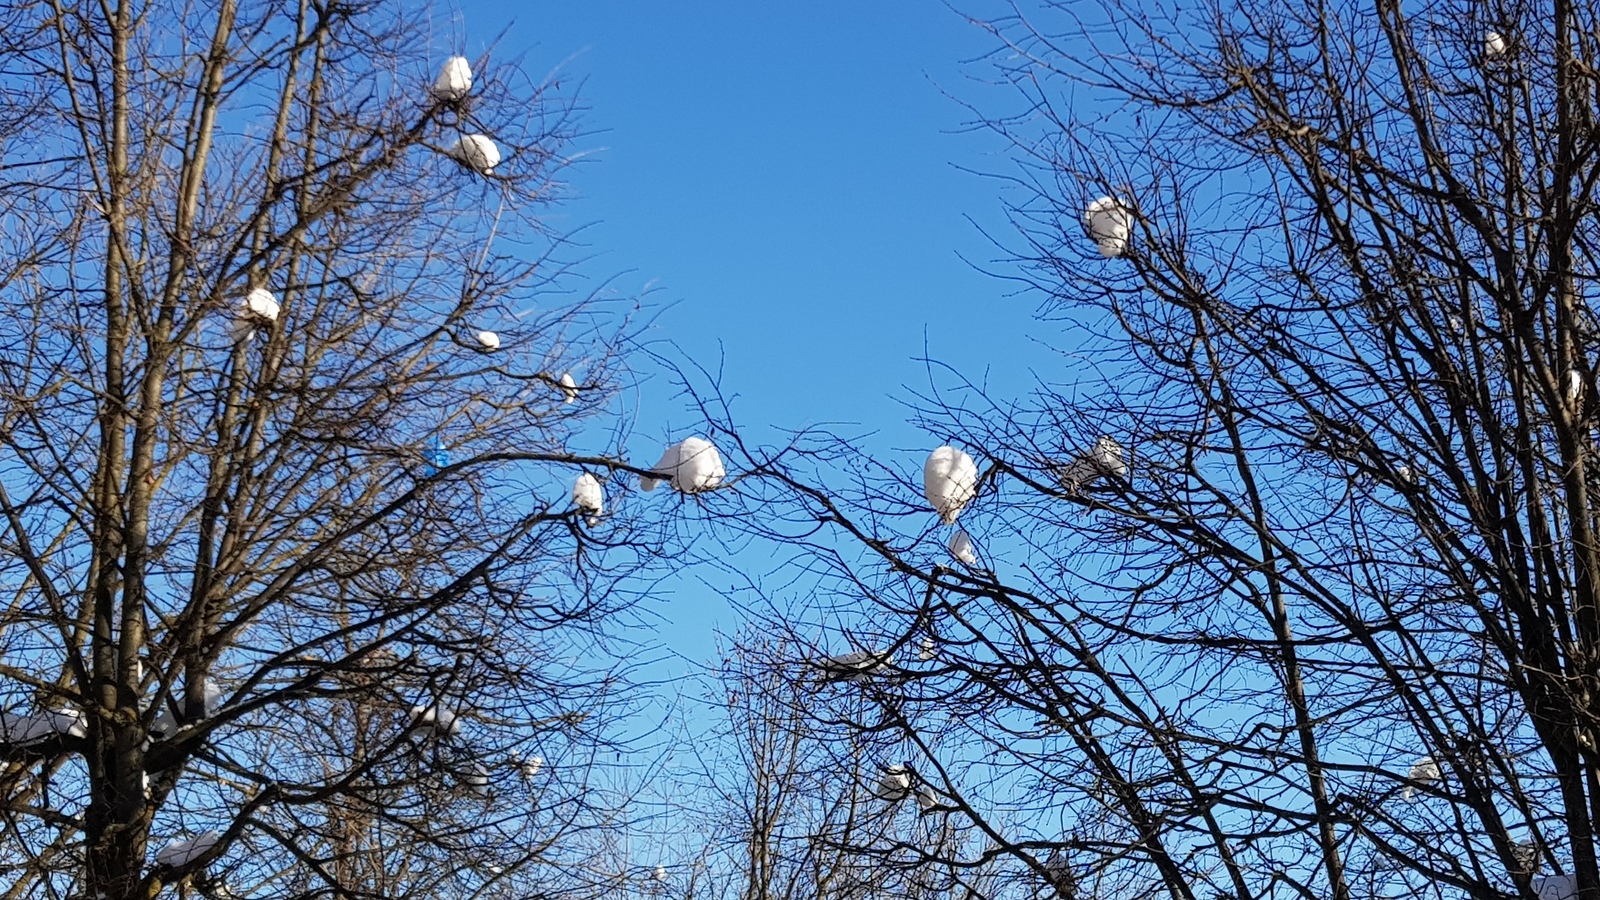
{"x":786,"y":181}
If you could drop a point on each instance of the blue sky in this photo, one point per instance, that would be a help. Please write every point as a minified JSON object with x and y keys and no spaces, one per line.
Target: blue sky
{"x":784,"y":182}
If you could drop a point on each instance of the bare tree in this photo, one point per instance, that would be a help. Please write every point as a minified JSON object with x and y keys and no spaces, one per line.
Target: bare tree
{"x":1285,"y":584}
{"x":793,"y":806}
{"x":297,"y":597}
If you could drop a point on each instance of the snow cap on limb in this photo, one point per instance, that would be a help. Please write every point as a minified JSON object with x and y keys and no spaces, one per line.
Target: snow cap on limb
{"x":477,"y":152}
{"x":455,"y":79}
{"x":1109,"y":222}
{"x":588,"y":496}
{"x":949,"y":481}
{"x":894,"y":783}
{"x":855,"y":667}
{"x":692,"y":465}
{"x":179,"y":853}
{"x":961,"y":548}
{"x":1423,"y":771}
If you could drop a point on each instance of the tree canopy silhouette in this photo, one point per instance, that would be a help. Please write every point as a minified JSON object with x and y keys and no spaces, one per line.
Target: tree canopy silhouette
{"x":1283,"y":583}
{"x":298,"y":604}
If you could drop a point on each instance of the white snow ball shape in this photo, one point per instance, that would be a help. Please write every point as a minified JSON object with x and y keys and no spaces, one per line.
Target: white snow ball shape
{"x":1109,"y":457}
{"x":477,"y":152}
{"x":663,"y":469}
{"x":531,"y":767}
{"x":1105,"y":458}
{"x":489,"y":340}
{"x":477,"y":779}
{"x":659,"y":873}
{"x":855,"y":667}
{"x":927,"y":648}
{"x":587,"y":495}
{"x":894,"y":784}
{"x":436,"y":720}
{"x":1494,"y":45}
{"x":1058,"y":870}
{"x":211,"y":699}
{"x":164,"y":726}
{"x":1574,"y":388}
{"x":1526,"y":856}
{"x":455,"y":79}
{"x":927,"y":799}
{"x":70,"y":722}
{"x":1109,"y":222}
{"x":949,"y":481}
{"x":20,"y":730}
{"x":181,"y":853}
{"x":1557,"y":887}
{"x":690,"y":466}
{"x":1423,"y":771}
{"x":961,"y":548}
{"x":260,"y":306}
{"x":569,"y":388}
{"x":699,"y":466}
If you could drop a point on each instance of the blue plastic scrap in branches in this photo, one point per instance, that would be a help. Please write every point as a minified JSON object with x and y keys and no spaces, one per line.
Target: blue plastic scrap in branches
{"x":435,"y":458}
